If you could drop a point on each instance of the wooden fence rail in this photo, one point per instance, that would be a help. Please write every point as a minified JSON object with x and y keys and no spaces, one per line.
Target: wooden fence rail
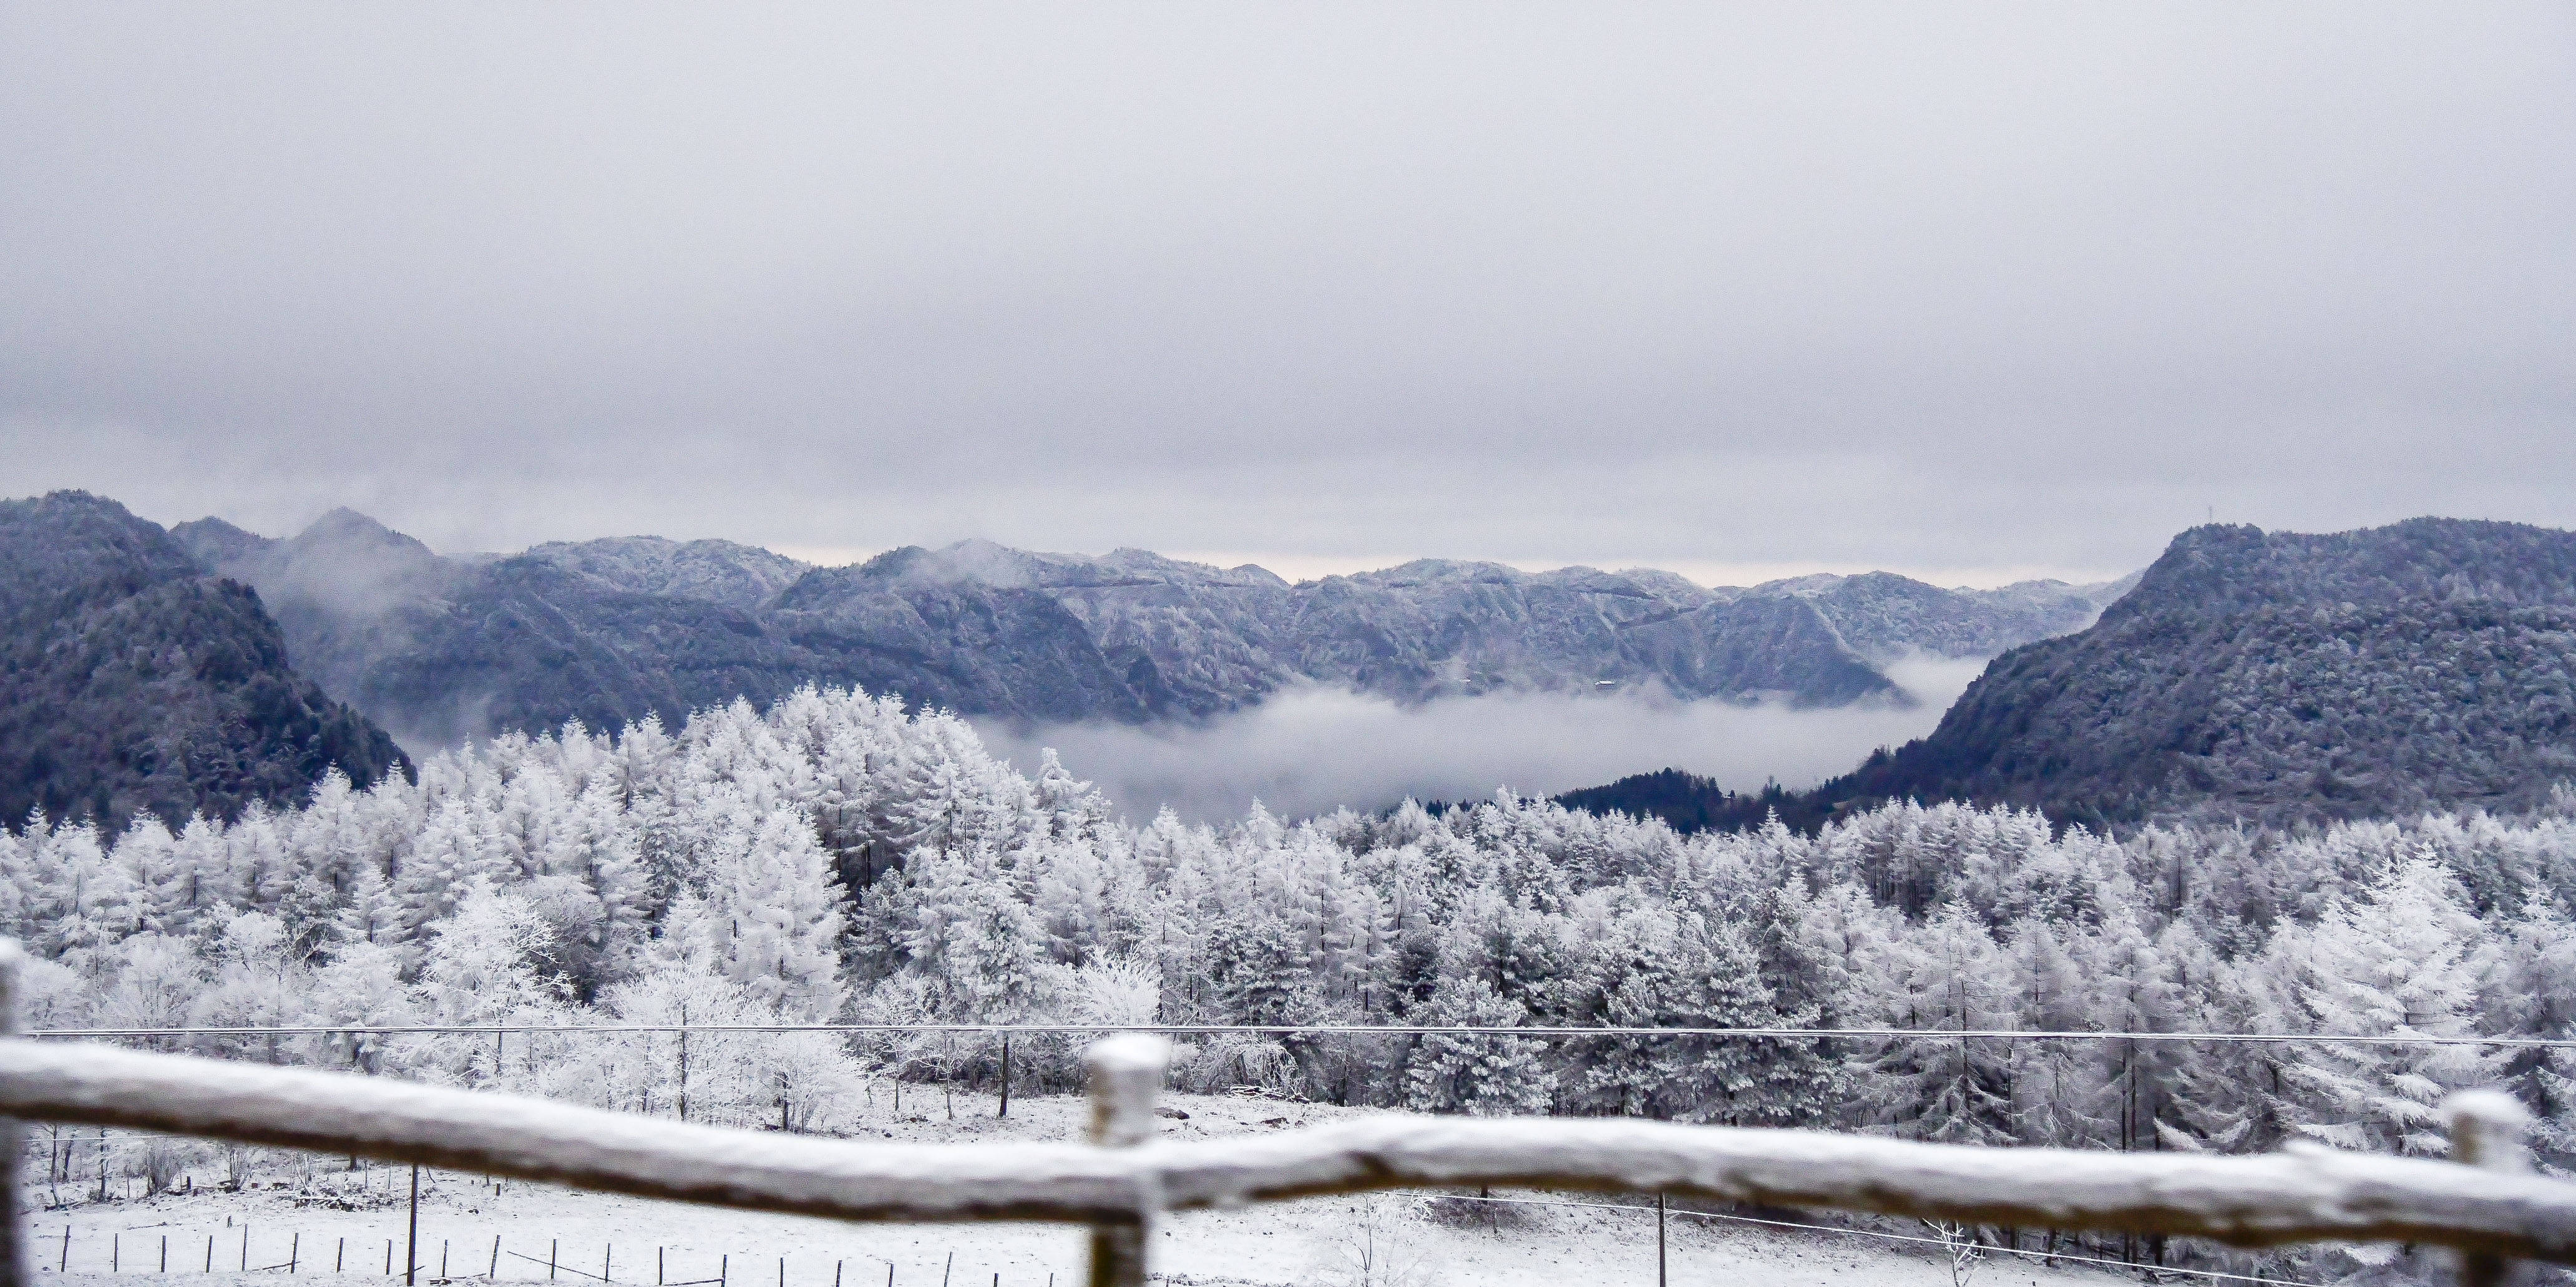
{"x":2491,"y":1210}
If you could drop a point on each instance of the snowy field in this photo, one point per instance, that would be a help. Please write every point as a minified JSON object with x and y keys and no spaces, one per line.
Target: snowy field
{"x":321,"y":1213}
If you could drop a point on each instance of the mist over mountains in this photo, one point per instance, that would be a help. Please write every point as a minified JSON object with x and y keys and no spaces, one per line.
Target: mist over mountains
{"x":2267,"y":676}
{"x":439,"y":649}
{"x":1310,"y":750}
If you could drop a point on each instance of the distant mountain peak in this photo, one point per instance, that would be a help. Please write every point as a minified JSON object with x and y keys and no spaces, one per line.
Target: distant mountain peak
{"x":214,"y":542}
{"x":1813,"y":583}
{"x":343,"y":525}
{"x":715,"y":571}
{"x":1425,"y":571}
{"x":1886,"y":616}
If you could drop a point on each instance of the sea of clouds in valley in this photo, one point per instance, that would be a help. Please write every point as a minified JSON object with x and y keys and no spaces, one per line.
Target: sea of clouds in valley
{"x":1310,"y":750}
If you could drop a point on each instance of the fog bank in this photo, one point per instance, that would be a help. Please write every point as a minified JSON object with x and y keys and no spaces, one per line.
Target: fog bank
{"x":1309,"y":750}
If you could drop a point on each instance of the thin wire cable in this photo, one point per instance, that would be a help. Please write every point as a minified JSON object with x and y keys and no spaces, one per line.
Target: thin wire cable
{"x":1894,"y":1237}
{"x":1284,"y":1029}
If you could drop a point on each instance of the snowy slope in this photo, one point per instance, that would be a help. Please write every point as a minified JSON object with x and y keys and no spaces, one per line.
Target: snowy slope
{"x":322,"y":1213}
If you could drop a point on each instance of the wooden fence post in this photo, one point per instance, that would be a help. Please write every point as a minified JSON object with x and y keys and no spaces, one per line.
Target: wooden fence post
{"x":2486,"y":1132}
{"x":13,"y":1140}
{"x":1126,"y":1074}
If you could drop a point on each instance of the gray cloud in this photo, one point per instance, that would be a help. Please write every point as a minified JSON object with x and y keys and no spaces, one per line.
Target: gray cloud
{"x":1311,"y":750}
{"x":1947,"y":287}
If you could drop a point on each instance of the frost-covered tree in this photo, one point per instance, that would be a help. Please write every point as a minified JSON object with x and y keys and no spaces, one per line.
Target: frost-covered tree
{"x":1945,"y":977}
{"x":2405,"y":961}
{"x":773,"y":906}
{"x":1476,"y":1074}
{"x":835,"y":856}
{"x":1679,"y":971}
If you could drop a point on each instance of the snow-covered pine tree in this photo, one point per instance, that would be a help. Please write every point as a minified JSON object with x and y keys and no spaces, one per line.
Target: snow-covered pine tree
{"x":1474,"y":1074}
{"x":775,"y":905}
{"x":1680,"y":971}
{"x":2404,"y":961}
{"x":1941,"y":977}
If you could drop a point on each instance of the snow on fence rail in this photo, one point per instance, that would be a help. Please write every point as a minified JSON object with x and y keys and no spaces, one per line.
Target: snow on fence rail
{"x":1517,"y":1032}
{"x":2489,"y":1210}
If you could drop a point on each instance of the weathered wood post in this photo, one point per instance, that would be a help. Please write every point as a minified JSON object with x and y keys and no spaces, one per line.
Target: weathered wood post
{"x":13,"y":1140}
{"x":1126,"y":1074}
{"x":2486,"y":1132}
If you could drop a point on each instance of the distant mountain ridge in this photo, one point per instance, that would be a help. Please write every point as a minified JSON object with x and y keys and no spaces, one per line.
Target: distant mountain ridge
{"x":1885,"y":615}
{"x":131,"y":682}
{"x":2276,"y":677}
{"x":610,"y":630}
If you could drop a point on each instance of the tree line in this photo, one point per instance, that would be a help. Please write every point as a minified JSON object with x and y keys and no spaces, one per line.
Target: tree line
{"x":837,"y":858}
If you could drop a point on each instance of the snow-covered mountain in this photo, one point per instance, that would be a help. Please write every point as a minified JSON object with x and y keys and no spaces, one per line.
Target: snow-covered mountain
{"x":607,"y":631}
{"x":1885,"y":616}
{"x":132,"y":683}
{"x":2277,"y":676}
{"x":1202,"y":639}
{"x":2425,"y":664}
{"x":737,"y":576}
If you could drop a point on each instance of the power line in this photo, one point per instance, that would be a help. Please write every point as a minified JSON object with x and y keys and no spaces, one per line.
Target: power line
{"x":1287,"y":1029}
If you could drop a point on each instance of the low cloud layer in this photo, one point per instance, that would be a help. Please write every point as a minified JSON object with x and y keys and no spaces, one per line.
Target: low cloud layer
{"x":1681,"y":285}
{"x":1310,"y":750}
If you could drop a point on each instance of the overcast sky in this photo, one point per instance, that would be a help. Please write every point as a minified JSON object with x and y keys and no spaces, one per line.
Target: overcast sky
{"x":1965,"y":290}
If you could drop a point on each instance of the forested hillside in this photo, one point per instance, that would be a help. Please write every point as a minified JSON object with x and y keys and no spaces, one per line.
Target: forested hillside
{"x":838,"y":858}
{"x":2266,"y":676}
{"x":2282,"y":676}
{"x":1690,"y":803}
{"x":441,"y":649}
{"x":132,"y":684}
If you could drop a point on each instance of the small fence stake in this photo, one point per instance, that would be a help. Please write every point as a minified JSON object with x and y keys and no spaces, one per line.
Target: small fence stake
{"x":836,"y":1273}
{"x":1659,"y":1240}
{"x":2486,"y":1132}
{"x":294,"y":1252}
{"x":165,"y":1250}
{"x":551,"y":1245}
{"x":724,"y":1267}
{"x":657,"y":1267}
{"x":411,"y":1237}
{"x":1126,"y":1075}
{"x":115,"y":1251}
{"x":442,"y":1257}
{"x":782,"y":1271}
{"x":495,"y":1271}
{"x":210,"y":1253}
{"x":340,"y":1258}
{"x":945,"y":1269}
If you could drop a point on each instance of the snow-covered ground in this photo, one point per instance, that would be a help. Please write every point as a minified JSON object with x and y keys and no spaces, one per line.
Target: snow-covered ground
{"x":324,"y":1215}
